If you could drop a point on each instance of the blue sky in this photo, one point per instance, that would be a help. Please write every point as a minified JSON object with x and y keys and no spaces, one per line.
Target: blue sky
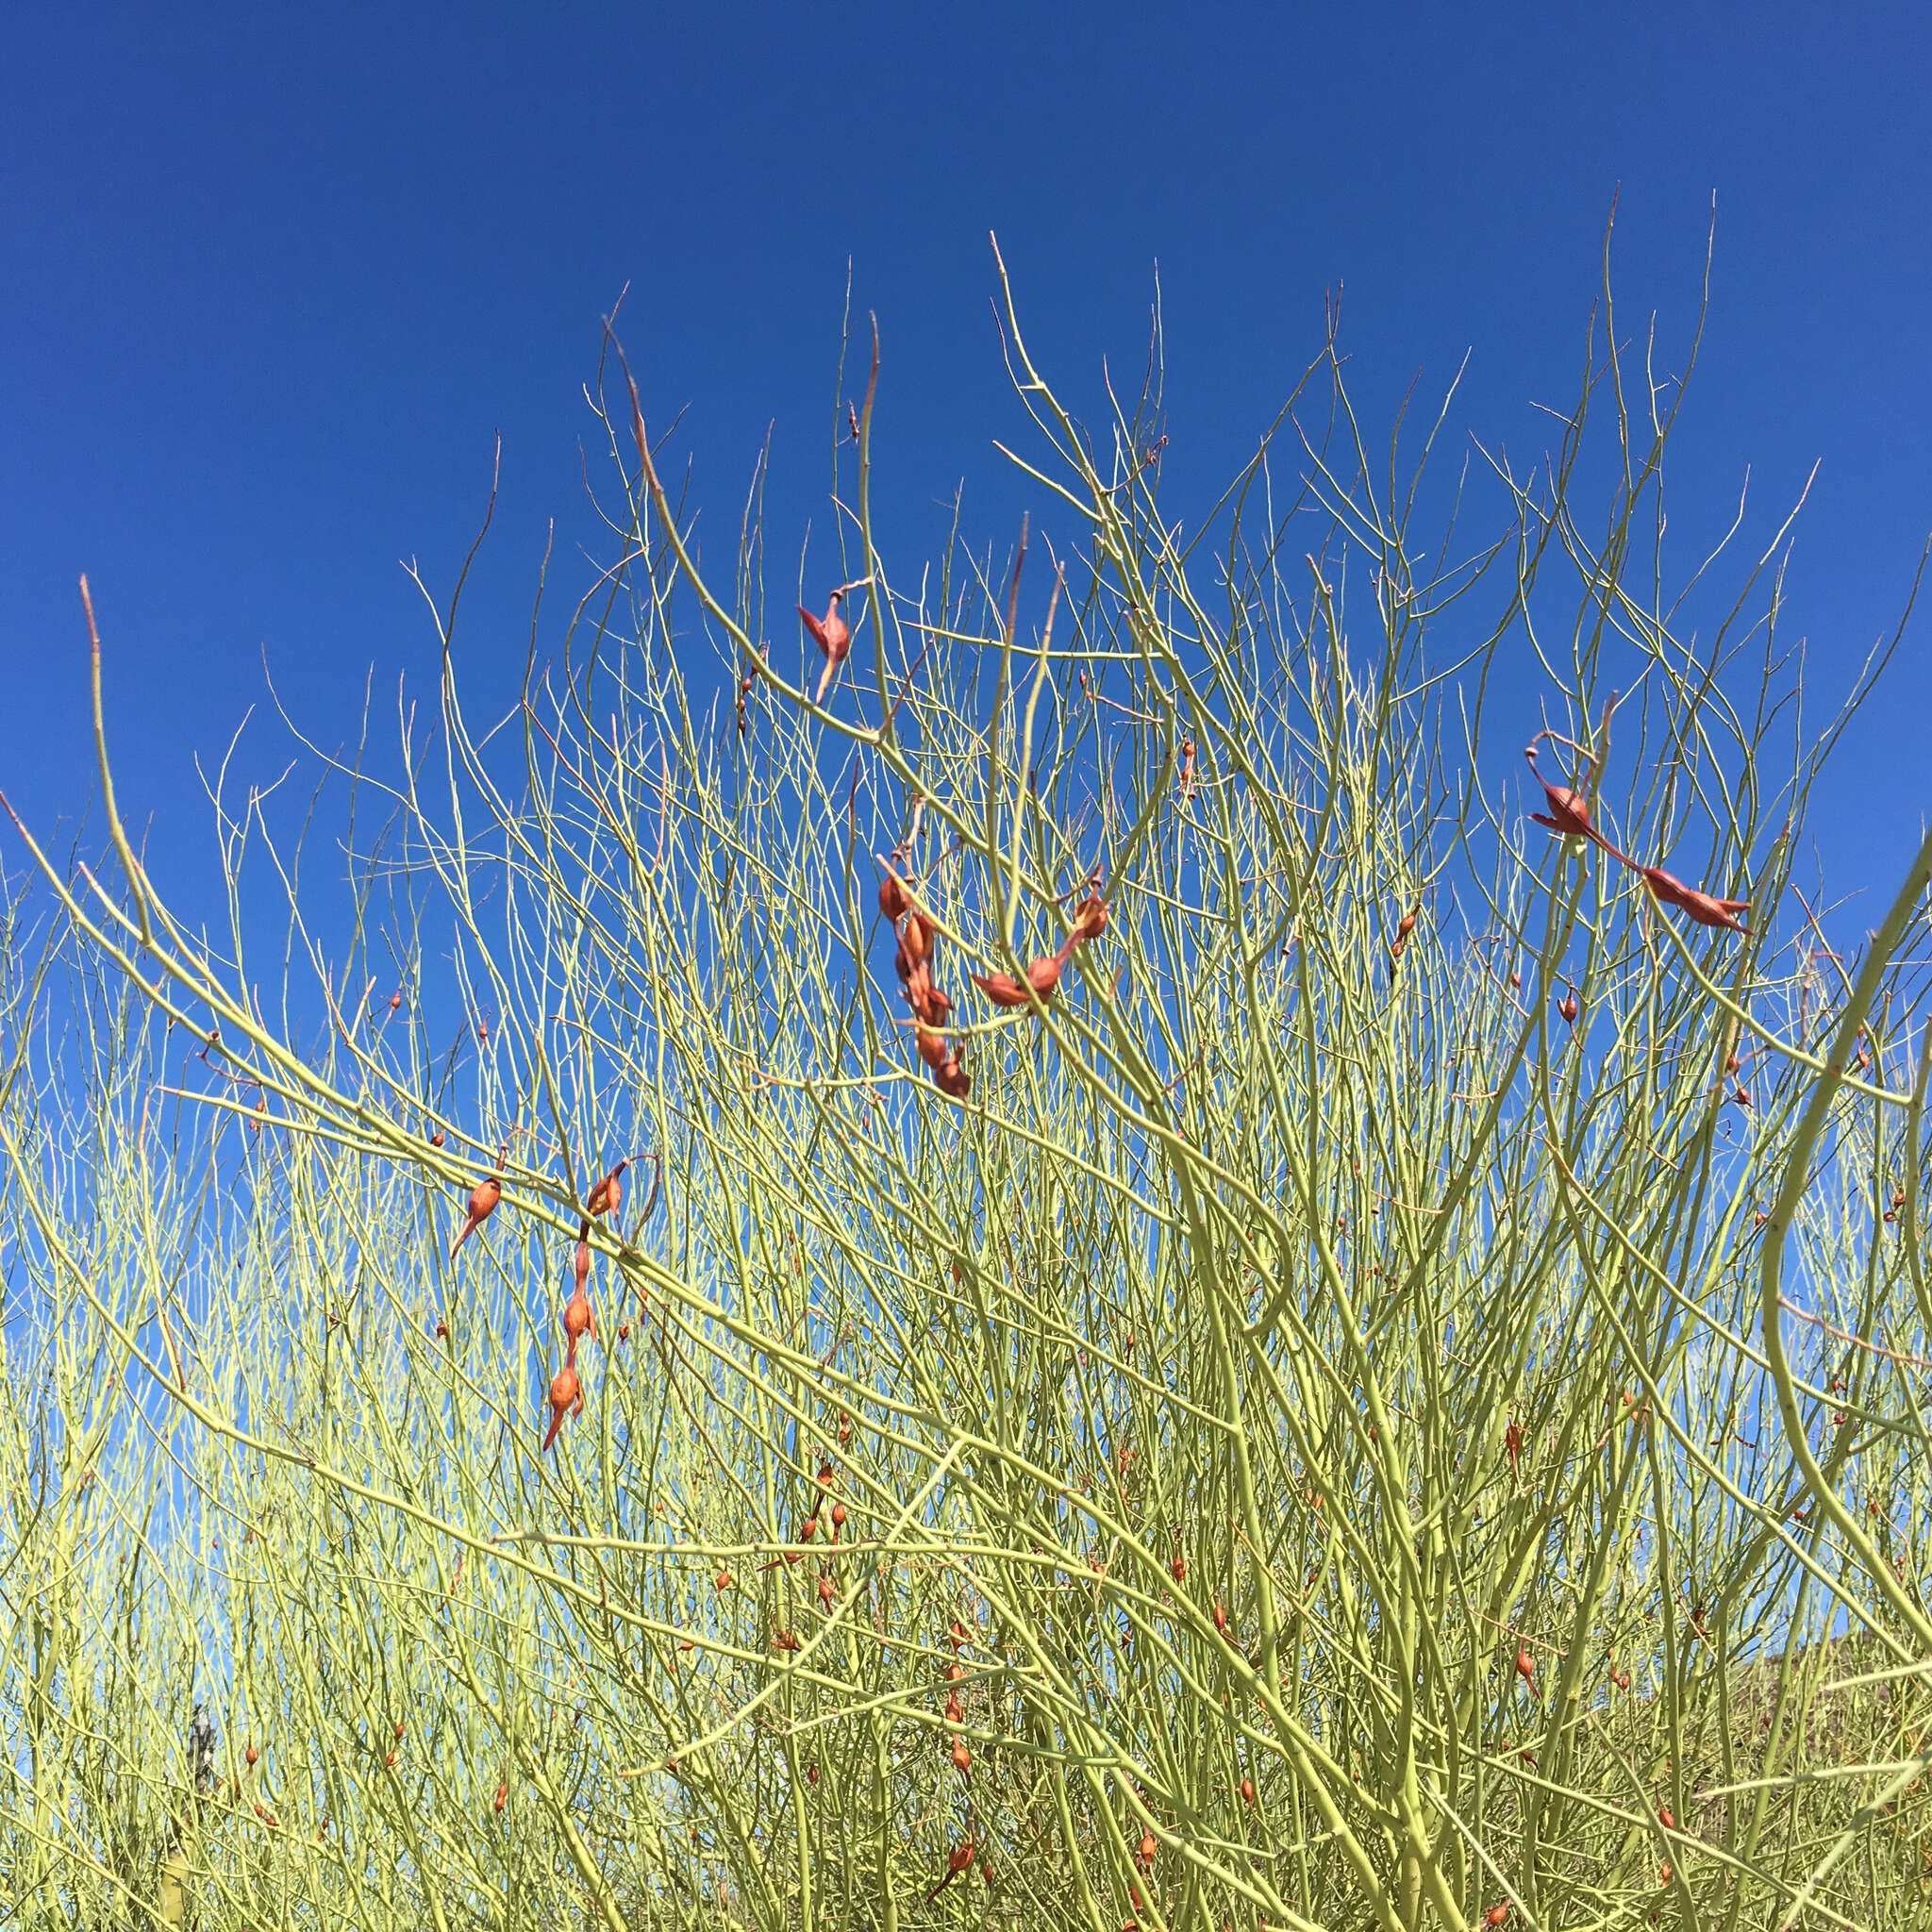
{"x":274,"y":280}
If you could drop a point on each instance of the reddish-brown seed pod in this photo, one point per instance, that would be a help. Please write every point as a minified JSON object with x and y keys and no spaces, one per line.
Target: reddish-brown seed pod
{"x":722,"y":1580}
{"x":893,"y":900}
{"x":1525,"y":1666}
{"x":388,"y":1761}
{"x":1148,"y":1847}
{"x":958,"y":1860}
{"x":395,"y":1000}
{"x":825,"y":1591}
{"x":624,"y":1331}
{"x":606,"y":1198}
{"x":1665,"y":1819}
{"x":577,"y":1319}
{"x":1567,"y":1006}
{"x":1248,"y":1792}
{"x":483,"y":1199}
{"x":1090,"y":920}
{"x":1042,"y":978}
{"x":436,"y":1139}
{"x":399,"y":1733}
{"x":962,"y":1758}
{"x":1569,"y":811}
{"x":918,"y":936}
{"x":1179,"y":1566}
{"x":502,"y":1792}
{"x":1664,"y":1872}
{"x":927,"y":1002}
{"x":253,"y":1755}
{"x":808,"y":1529}
{"x":564,"y":1391}
{"x":952,"y":1080}
{"x":1704,"y":907}
{"x":1512,"y":1442}
{"x":955,"y":1670}
{"x":1516,"y":982}
{"x":833,"y":637}
{"x":442,"y":1332}
{"x":811,"y":1770}
{"x":956,"y":1633}
{"x":932,"y":1049}
{"x":838,"y":1518}
{"x":1496,"y":1915}
{"x":844,"y":1429}
{"x":1220,"y":1617}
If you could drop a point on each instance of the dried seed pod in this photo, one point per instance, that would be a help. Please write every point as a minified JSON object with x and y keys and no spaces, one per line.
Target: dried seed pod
{"x":606,"y":1197}
{"x":962,"y":1758}
{"x":1496,"y":1915}
{"x":894,"y":902}
{"x":1525,"y":1665}
{"x":1702,"y":907}
{"x":483,"y":1199}
{"x":918,"y":936}
{"x":1248,"y":1792}
{"x":253,"y":1755}
{"x":578,"y":1320}
{"x":1090,"y":920}
{"x":1569,"y":811}
{"x":565,"y":1391}
{"x":502,"y":1792}
{"x":833,"y":637}
{"x":958,"y":1860}
{"x":1042,"y":978}
{"x":1569,"y":1008}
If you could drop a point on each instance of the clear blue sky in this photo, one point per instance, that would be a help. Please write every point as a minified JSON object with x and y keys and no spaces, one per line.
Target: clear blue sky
{"x":273,"y":279}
